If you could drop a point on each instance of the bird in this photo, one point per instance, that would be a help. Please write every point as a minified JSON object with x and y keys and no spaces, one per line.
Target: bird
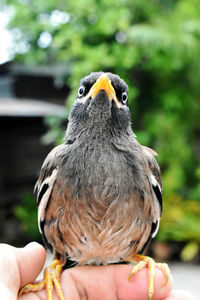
{"x":99,"y":194}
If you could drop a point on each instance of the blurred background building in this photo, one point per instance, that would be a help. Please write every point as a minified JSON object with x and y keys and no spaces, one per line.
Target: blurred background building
{"x":27,"y":96}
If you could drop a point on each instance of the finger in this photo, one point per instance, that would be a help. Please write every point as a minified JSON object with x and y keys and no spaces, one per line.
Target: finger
{"x":111,"y":282}
{"x":30,"y":261}
{"x":181,"y":295}
{"x":10,"y":276}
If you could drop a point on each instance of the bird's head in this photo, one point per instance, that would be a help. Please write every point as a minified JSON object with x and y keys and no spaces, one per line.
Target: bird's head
{"x":102,"y":101}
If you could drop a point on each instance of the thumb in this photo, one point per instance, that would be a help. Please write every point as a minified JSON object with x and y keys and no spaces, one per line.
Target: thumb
{"x":30,"y":261}
{"x":18,"y":267}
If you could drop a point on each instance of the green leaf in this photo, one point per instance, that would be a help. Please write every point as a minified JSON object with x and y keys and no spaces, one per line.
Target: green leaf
{"x":189,"y":251}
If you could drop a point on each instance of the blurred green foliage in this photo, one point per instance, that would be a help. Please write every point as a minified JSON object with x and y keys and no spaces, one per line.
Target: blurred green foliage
{"x":27,"y":213}
{"x":155,"y":46}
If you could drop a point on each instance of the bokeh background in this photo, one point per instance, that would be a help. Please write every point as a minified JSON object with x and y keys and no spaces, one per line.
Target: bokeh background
{"x":154,"y":46}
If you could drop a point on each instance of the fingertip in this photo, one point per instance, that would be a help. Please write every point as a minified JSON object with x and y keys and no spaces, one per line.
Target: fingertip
{"x":30,"y":260}
{"x":162,"y":288}
{"x":33,"y":245}
{"x":137,"y":287}
{"x":36,"y":249}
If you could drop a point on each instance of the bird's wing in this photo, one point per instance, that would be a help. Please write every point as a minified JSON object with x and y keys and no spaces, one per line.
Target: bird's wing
{"x":154,"y":177}
{"x":45,"y":183}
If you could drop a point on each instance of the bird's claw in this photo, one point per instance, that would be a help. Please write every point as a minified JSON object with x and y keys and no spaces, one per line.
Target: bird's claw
{"x":145,"y":261}
{"x":50,"y":280}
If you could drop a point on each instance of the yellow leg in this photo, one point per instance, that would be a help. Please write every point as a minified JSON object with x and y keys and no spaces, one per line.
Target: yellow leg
{"x":145,"y":261}
{"x":51,"y":280}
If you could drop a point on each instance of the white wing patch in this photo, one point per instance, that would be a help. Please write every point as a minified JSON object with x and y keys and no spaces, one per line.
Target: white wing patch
{"x":157,"y":196}
{"x":45,"y":198}
{"x":154,"y":182}
{"x":156,"y":229}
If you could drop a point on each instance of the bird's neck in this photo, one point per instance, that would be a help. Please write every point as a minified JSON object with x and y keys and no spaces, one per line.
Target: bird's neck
{"x":98,"y":133}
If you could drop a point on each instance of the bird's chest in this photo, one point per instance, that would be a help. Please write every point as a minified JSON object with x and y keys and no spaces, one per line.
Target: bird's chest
{"x":97,"y":217}
{"x":97,"y":173}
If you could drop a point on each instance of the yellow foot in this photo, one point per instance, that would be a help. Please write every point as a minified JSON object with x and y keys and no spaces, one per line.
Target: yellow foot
{"x":145,"y":261}
{"x":51,"y":278}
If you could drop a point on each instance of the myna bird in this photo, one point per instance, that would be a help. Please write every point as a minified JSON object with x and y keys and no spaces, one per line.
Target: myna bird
{"x":99,"y":193}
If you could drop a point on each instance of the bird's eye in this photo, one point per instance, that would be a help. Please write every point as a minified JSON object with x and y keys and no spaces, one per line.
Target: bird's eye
{"x":124,"y":98}
{"x":81,"y":91}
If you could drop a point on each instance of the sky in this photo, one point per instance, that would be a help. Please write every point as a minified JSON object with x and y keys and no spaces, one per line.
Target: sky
{"x":5,"y":37}
{"x":7,"y":48}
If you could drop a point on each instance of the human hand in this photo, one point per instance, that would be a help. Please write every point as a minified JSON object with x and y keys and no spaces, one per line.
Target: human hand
{"x":21,"y":266}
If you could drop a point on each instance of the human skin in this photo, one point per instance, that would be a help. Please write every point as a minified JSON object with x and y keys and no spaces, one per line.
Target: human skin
{"x":19,"y":266}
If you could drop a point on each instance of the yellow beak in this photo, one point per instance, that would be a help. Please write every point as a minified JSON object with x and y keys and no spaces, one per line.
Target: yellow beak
{"x":104,"y":83}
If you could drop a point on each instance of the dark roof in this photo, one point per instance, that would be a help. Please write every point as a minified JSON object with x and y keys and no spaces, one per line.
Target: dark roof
{"x":29,"y":108}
